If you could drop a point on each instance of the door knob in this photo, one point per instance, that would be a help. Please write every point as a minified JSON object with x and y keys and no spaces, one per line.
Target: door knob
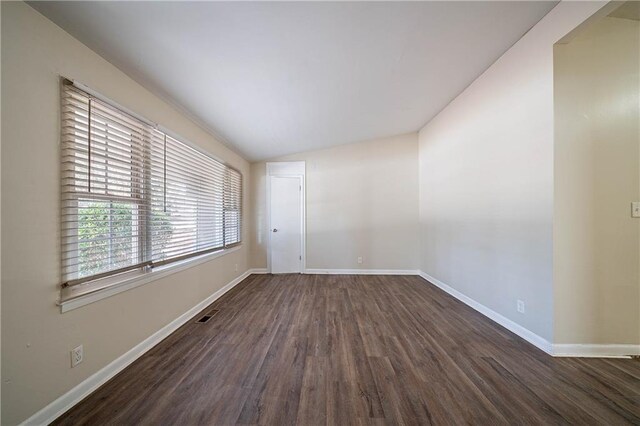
{"x":275,"y":230}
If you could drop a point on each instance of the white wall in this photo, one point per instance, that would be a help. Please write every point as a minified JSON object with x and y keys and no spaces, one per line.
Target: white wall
{"x":486,"y":180}
{"x":362,"y":200}
{"x":36,"y":337}
{"x":597,"y":175}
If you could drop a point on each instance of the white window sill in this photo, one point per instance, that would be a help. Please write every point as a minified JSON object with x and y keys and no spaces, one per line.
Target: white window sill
{"x":87,"y":293}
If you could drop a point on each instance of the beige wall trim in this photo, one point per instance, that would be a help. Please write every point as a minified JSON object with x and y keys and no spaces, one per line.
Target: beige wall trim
{"x":93,"y":382}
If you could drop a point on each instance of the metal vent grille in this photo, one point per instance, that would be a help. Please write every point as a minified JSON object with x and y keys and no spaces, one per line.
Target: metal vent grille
{"x":206,"y":317}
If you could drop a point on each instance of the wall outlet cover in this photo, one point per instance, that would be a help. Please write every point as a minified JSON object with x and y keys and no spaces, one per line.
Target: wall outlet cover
{"x":77,"y":355}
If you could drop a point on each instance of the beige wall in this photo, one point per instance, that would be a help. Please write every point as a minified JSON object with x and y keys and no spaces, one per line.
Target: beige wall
{"x":362,"y":200}
{"x":36,"y":337}
{"x":470,"y":201}
{"x":597,"y":175}
{"x":486,"y":180}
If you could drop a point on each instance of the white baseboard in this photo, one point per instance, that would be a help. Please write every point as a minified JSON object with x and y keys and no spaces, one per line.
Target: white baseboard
{"x":557,"y":350}
{"x":259,"y":271}
{"x":58,"y":407}
{"x":595,"y":351}
{"x":363,"y":271}
{"x":510,"y":325}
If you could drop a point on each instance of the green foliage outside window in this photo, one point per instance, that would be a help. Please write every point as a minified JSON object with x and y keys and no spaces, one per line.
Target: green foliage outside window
{"x":109,"y":235}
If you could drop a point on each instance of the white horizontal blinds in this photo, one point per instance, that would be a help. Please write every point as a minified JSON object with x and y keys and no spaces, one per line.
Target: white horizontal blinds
{"x":134,"y":196}
{"x":187,"y":211}
{"x":232,"y":207}
{"x":103,"y":213}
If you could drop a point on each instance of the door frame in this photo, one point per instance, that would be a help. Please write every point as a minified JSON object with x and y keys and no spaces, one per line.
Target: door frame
{"x":290,"y":169}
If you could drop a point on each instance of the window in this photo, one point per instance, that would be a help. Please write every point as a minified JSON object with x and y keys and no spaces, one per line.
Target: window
{"x":135,"y":197}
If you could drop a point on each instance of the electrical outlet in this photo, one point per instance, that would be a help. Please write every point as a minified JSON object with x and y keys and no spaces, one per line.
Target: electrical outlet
{"x":359,"y":259}
{"x":635,"y":209}
{"x":236,"y":267}
{"x":77,"y":355}
{"x":520,"y":306}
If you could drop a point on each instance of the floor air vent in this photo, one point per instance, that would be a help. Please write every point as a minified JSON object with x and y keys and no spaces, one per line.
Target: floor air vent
{"x":206,"y":317}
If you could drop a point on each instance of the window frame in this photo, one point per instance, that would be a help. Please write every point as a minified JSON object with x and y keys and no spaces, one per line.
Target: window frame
{"x":140,"y":198}
{"x":135,"y":199}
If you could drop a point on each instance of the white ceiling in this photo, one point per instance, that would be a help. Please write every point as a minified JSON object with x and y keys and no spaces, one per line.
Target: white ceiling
{"x":278,"y":78}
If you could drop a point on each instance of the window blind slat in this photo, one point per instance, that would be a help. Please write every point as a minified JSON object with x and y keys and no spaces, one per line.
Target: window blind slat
{"x":133,"y":196}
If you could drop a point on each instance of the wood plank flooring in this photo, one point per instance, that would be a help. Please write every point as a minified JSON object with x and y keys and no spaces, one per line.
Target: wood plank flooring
{"x":342,"y":350}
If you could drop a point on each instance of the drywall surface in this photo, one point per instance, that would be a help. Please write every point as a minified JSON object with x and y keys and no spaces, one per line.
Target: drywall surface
{"x":361,"y":201}
{"x":486,"y":180}
{"x":36,"y":337}
{"x":597,"y":176}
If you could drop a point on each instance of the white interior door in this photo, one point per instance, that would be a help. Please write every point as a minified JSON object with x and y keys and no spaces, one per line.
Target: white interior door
{"x":286,"y":224}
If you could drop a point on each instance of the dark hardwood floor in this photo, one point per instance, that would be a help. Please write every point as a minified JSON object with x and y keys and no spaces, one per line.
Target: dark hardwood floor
{"x":341,"y":350}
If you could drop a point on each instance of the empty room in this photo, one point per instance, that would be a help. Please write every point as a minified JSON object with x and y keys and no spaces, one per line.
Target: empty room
{"x":320,"y":213}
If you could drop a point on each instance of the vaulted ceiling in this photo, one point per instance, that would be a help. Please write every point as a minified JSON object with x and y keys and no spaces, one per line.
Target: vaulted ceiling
{"x":283,"y":77}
